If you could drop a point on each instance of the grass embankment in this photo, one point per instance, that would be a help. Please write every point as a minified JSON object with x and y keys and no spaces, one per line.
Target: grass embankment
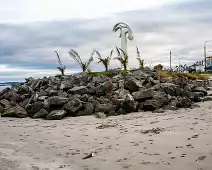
{"x":109,"y":73}
{"x":191,"y":76}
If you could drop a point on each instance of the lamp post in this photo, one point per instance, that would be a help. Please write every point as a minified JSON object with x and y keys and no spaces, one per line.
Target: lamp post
{"x":170,"y":60}
{"x":205,"y":53}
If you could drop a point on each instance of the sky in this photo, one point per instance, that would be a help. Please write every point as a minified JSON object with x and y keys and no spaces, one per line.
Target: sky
{"x":31,"y":30}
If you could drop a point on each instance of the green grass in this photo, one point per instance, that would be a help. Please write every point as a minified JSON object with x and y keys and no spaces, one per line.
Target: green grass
{"x":109,"y":73}
{"x":191,"y":76}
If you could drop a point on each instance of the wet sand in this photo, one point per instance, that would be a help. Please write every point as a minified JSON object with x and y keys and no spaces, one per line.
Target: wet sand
{"x":183,"y":141}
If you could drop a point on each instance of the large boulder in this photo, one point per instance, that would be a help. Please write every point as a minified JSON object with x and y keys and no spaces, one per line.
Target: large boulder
{"x":87,"y":109}
{"x":207,"y":98}
{"x":1,"y":109}
{"x":121,"y":93}
{"x":185,"y":102}
{"x":56,"y":115}
{"x":162,"y":98}
{"x":91,"y":88}
{"x":104,"y":88}
{"x":4,"y":102}
{"x":57,"y":101}
{"x":100,"y":115}
{"x":200,"y":89}
{"x":73,"y":106}
{"x":106,"y":108}
{"x":23,"y":89}
{"x":66,"y":85}
{"x":133,"y":84}
{"x":41,"y":114}
{"x":6,"y":90}
{"x":34,"y":108}
{"x":42,"y":93}
{"x":78,"y":90}
{"x":16,"y":97}
{"x":198,"y":96}
{"x":189,"y":94}
{"x":150,"y":105}
{"x":169,"y":88}
{"x":16,"y":111}
{"x":143,"y":94}
{"x":100,"y":79}
{"x":129,"y":104}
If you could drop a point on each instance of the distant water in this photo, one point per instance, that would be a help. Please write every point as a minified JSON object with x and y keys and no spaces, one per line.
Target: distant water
{"x":3,"y":87}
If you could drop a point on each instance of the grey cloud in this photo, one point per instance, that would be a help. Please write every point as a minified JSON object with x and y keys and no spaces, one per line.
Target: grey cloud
{"x":182,"y":28}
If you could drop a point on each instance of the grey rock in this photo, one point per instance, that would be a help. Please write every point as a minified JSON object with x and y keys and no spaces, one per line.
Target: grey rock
{"x":56,"y":115}
{"x":169,"y":88}
{"x":72,"y":107}
{"x":34,"y":108}
{"x":91,"y":88}
{"x":84,"y":97}
{"x":41,"y":114}
{"x":78,"y":90}
{"x":100,"y":115}
{"x":16,"y":111}
{"x":121,"y":112}
{"x":57,"y":101}
{"x":198,"y":96}
{"x":88,"y":109}
{"x":141,"y":107}
{"x":194,"y":105}
{"x":112,"y":113}
{"x":42,"y":93}
{"x":4,"y":102}
{"x":207,"y":98}
{"x":106,"y":108}
{"x":100,"y":79}
{"x":200,"y":89}
{"x":66,"y":85}
{"x":53,"y":93}
{"x":1,"y":109}
{"x":23,"y":89}
{"x":150,"y":105}
{"x":121,"y":93}
{"x":160,"y":110}
{"x":133,"y":84}
{"x":189,"y":94}
{"x":16,"y":97}
{"x":162,"y":98}
{"x":129,"y":104}
{"x":185,"y":102}
{"x":42,"y":98}
{"x":104,"y":88}
{"x":143,"y":94}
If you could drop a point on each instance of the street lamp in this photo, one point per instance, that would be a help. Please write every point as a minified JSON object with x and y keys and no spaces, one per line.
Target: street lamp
{"x":205,"y":53}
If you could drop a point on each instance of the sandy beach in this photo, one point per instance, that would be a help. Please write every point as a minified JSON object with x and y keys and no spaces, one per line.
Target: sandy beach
{"x":182,"y":140}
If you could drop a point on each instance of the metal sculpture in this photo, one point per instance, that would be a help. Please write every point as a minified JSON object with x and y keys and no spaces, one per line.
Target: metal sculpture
{"x":125,"y":33}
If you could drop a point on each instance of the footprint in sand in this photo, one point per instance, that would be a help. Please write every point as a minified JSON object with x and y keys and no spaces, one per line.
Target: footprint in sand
{"x":195,"y":136}
{"x":189,"y":146}
{"x":201,"y":158}
{"x":183,"y":155}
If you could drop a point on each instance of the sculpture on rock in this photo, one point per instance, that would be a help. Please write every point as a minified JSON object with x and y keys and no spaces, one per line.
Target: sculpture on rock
{"x":125,"y":32}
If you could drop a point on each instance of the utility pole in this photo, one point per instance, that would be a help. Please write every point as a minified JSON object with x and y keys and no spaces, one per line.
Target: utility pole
{"x":170,"y":60}
{"x":205,"y":54}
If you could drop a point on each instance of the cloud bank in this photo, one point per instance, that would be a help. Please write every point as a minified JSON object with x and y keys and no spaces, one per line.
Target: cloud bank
{"x":28,"y":48}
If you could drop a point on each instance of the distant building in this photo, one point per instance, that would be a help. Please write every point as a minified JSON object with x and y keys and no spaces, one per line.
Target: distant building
{"x":209,"y":63}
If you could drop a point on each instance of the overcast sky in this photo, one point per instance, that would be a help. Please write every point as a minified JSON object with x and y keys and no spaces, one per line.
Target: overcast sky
{"x":31,"y":30}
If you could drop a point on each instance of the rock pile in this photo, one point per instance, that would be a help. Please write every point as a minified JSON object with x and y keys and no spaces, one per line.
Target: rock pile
{"x":56,"y":97}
